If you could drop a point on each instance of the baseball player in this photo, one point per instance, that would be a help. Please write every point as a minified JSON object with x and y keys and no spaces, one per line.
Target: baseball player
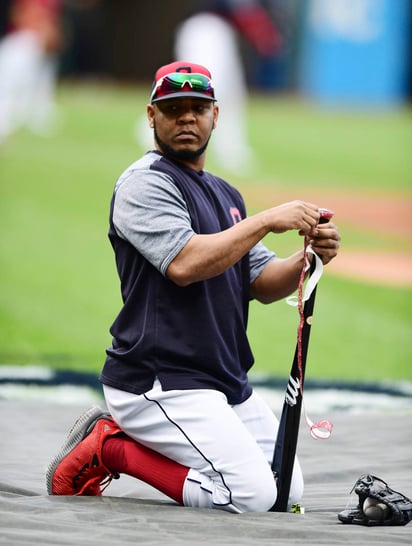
{"x":182,"y":415}
{"x":28,"y":67}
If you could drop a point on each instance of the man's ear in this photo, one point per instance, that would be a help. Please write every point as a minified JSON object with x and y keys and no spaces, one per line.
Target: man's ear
{"x":150,"y":115}
{"x":215,"y":115}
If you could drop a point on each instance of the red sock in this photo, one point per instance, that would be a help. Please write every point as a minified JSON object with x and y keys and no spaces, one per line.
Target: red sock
{"x":125,"y":456}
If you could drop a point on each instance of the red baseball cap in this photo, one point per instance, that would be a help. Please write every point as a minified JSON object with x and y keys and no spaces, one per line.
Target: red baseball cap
{"x":182,"y":79}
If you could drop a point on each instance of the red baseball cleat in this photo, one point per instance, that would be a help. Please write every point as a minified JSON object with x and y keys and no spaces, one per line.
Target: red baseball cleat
{"x":78,"y":468}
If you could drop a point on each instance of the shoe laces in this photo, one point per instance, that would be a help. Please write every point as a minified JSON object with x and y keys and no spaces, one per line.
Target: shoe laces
{"x":97,"y":483}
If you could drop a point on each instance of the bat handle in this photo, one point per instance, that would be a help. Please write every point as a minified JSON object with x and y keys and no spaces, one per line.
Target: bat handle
{"x":325,"y":215}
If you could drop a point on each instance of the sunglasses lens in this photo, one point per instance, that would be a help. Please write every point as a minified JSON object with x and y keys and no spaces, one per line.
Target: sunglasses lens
{"x":181,"y":81}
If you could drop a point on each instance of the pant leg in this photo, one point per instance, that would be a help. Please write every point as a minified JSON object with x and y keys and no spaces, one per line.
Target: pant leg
{"x":200,"y":430}
{"x":261,"y":422}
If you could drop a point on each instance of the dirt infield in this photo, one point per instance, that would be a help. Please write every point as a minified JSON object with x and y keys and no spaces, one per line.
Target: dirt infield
{"x":384,"y":215}
{"x":392,"y":269}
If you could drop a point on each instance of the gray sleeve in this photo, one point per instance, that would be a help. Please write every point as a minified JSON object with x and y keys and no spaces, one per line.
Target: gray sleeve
{"x":150,"y":212}
{"x":259,"y":256}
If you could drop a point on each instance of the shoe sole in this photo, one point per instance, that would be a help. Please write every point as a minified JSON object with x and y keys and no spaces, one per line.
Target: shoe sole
{"x":81,"y":428}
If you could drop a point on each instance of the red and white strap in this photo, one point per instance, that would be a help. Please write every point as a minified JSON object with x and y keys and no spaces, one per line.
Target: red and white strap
{"x":322,"y":429}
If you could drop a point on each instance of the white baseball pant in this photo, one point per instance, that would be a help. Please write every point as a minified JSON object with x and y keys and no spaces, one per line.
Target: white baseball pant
{"x":228,"y":449}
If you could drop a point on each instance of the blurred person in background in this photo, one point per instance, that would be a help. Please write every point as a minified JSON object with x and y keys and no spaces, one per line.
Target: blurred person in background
{"x":210,"y":36}
{"x":28,"y":66}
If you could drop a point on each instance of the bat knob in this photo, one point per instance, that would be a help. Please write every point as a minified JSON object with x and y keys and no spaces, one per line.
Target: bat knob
{"x":325,"y":215}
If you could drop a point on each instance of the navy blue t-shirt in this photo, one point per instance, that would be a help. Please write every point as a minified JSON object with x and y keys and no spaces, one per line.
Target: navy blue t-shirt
{"x":188,"y":337}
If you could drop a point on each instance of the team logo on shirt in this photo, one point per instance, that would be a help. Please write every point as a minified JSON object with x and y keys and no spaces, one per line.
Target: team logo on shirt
{"x":235,"y":214}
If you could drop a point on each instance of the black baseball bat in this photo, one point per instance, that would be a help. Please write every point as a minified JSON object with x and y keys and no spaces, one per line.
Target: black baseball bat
{"x":288,"y":431}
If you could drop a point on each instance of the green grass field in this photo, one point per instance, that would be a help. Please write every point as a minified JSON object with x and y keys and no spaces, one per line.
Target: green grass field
{"x":60,"y":291}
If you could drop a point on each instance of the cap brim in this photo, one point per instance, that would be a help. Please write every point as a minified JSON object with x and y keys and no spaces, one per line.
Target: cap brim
{"x":182,"y":94}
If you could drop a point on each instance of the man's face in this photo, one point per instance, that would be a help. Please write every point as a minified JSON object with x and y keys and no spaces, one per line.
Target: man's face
{"x":183,"y":126}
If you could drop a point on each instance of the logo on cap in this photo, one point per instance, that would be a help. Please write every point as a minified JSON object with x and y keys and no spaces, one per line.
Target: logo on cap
{"x":182,"y":79}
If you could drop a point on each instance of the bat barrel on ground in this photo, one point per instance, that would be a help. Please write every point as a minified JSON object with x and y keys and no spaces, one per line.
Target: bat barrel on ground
{"x":287,"y":436}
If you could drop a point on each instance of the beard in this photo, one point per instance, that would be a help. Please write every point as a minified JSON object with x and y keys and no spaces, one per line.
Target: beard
{"x":182,"y":155}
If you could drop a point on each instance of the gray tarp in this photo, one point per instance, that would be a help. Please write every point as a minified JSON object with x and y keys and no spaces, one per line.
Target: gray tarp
{"x":130,"y":512}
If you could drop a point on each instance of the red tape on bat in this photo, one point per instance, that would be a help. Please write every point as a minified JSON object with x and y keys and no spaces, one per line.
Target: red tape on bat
{"x":322,"y":429}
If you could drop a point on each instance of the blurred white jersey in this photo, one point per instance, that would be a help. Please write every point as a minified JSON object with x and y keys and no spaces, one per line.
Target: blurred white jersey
{"x":210,"y":40}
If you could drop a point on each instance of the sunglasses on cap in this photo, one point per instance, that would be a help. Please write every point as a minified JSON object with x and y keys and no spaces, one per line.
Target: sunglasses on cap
{"x":181,"y":84}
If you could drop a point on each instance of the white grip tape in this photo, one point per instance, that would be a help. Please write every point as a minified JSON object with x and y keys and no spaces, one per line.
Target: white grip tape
{"x":312,"y":281}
